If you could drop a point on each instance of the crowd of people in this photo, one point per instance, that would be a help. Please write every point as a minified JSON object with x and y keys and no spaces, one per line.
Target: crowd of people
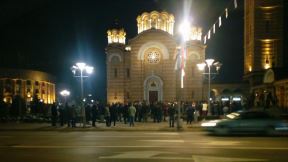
{"x":130,"y":113}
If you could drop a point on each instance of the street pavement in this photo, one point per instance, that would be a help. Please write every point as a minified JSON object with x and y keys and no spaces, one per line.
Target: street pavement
{"x":140,"y":146}
{"x":120,"y":126}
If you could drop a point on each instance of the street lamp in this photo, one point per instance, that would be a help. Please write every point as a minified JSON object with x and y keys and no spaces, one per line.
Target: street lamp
{"x":184,"y":30}
{"x":65,"y":93}
{"x":84,"y":71}
{"x":209,"y":63}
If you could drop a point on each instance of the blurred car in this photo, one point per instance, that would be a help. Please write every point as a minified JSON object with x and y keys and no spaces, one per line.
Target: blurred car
{"x":259,"y":122}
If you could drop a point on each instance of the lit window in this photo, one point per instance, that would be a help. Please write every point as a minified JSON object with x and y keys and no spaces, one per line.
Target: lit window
{"x":28,"y":82}
{"x":153,"y":57}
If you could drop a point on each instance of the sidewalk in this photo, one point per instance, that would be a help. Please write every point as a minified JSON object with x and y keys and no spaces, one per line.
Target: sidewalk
{"x":120,"y":126}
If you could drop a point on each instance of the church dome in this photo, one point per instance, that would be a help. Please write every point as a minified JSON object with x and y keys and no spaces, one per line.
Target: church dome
{"x":158,"y":20}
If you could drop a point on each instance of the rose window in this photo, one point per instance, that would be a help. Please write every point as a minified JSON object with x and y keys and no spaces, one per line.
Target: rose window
{"x":153,"y":57}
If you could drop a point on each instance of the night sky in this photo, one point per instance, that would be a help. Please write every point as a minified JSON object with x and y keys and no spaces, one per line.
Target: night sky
{"x":52,"y":35}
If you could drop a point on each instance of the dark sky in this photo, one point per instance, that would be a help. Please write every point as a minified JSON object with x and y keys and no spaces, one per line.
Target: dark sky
{"x":51,"y":35}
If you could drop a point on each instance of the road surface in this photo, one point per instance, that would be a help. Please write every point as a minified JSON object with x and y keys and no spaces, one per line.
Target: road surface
{"x":127,"y":146}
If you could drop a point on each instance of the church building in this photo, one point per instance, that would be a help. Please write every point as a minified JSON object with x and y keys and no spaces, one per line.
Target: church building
{"x":144,"y":68}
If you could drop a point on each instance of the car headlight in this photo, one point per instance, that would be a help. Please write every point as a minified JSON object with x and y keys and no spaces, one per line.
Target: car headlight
{"x":209,"y":124}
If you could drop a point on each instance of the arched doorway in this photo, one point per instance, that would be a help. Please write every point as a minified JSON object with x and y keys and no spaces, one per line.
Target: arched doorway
{"x":153,"y":89}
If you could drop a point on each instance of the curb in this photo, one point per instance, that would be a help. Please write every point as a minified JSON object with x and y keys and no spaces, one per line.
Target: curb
{"x":98,"y":129}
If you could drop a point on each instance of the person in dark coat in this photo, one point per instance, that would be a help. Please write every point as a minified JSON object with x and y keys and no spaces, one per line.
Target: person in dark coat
{"x":54,"y":114}
{"x":72,"y":116}
{"x":88,"y":113}
{"x":113,"y":113}
{"x":94,"y":112}
{"x":171,"y":113}
{"x":190,"y":112}
{"x":125,"y":113}
{"x":62,"y":115}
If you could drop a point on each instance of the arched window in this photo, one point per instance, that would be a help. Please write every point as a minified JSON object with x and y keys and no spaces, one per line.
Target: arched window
{"x":194,"y":56}
{"x":115,"y":73}
{"x":115,"y":60}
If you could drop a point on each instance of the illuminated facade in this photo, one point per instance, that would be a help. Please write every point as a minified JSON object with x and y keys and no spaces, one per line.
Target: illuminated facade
{"x":265,"y":46}
{"x":27,"y":83}
{"x":144,"y":68}
{"x":163,"y":21}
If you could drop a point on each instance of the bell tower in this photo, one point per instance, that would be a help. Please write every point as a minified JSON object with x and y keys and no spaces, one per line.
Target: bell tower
{"x":116,"y":65}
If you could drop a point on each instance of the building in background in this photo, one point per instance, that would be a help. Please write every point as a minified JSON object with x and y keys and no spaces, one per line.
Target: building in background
{"x":144,"y":68}
{"x":27,"y":84}
{"x":266,"y":54}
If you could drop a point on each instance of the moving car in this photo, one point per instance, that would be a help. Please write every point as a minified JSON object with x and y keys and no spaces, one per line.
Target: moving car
{"x":259,"y":122}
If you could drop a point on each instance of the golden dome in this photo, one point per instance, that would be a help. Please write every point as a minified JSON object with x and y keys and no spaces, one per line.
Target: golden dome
{"x":116,"y":36}
{"x":158,"y":20}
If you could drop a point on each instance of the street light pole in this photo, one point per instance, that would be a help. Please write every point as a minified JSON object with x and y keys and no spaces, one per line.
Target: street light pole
{"x":82,"y":97}
{"x":89,"y":69}
{"x":184,"y":29}
{"x":201,"y":67}
{"x":209,"y":91}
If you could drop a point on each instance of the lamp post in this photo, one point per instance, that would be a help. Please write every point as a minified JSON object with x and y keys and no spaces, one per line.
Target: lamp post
{"x":65,"y":93}
{"x":184,"y":29}
{"x":82,"y":68}
{"x":209,"y":63}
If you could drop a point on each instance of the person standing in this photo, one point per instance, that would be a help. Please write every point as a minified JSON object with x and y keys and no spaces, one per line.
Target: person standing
{"x":196,"y":112}
{"x":125,"y":112}
{"x":107,"y":115}
{"x":88,"y":113}
{"x":165,"y":111}
{"x":113,"y":113}
{"x":204,"y":109}
{"x":131,"y":112}
{"x":72,"y":116}
{"x":171,"y":113}
{"x":62,"y":115}
{"x":145,"y":111}
{"x":54,"y":114}
{"x":94,"y":114}
{"x":190,"y":112}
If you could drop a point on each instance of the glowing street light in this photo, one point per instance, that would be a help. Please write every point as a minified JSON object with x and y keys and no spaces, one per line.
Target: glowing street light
{"x":65,"y":93}
{"x":184,"y":29}
{"x":82,"y":68}
{"x":209,"y":63}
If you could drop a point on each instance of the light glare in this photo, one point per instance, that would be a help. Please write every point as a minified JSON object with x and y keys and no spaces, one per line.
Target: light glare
{"x":65,"y":93}
{"x":81,"y":65}
{"x":184,"y":29}
{"x":209,"y":124}
{"x":209,"y":62}
{"x":89,"y":69}
{"x":201,"y":66}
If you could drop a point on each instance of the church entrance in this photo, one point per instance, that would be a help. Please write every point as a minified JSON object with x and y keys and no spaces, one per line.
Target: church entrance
{"x":153,"y":96}
{"x":153,"y":89}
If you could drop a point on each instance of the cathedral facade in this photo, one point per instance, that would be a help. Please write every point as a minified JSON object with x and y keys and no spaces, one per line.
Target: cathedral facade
{"x":145,"y":69}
